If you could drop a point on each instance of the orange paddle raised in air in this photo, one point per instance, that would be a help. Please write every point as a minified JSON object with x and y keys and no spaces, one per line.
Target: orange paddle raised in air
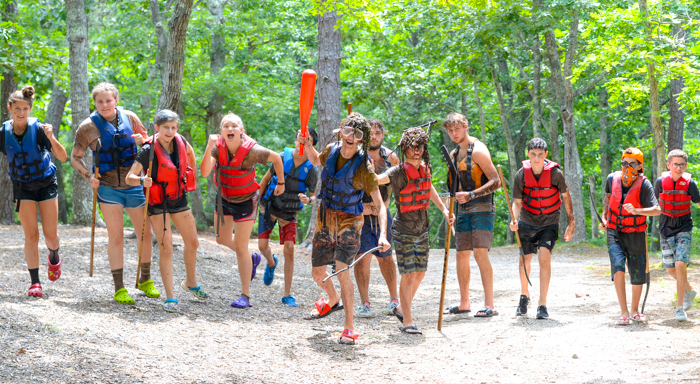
{"x":306,"y":102}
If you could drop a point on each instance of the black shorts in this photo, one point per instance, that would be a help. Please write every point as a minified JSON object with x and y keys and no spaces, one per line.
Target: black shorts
{"x":532,"y":238}
{"x":171,"y":206}
{"x":244,"y":211}
{"x":38,"y":193}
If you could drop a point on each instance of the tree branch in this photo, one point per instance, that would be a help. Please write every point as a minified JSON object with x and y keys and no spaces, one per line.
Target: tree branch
{"x":583,"y":89}
{"x":573,"y":42}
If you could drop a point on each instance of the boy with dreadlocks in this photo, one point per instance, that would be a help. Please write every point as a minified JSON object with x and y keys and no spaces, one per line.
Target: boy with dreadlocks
{"x":345,"y":177}
{"x":413,"y":191}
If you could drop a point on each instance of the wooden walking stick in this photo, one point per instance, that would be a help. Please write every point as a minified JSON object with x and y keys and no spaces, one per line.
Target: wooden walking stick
{"x":512,"y":219}
{"x":646,"y":247}
{"x":94,"y":203}
{"x":145,"y":208}
{"x":454,"y":177}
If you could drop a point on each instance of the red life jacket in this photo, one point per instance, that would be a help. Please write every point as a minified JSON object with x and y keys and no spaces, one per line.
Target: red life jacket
{"x":170,"y":181}
{"x":416,"y":194}
{"x":674,"y":198}
{"x":234,"y":180}
{"x":618,"y":218}
{"x":540,"y":196}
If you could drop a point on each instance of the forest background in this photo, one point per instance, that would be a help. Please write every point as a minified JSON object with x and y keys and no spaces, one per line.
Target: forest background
{"x":591,"y":78}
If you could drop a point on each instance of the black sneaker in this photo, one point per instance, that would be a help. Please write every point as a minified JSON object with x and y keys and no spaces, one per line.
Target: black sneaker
{"x":542,"y":312}
{"x":522,"y":307}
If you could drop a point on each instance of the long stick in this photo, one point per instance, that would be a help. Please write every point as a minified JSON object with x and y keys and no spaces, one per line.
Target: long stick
{"x":94,"y":204}
{"x":512,"y":219}
{"x":444,"y":267}
{"x":353,"y":263}
{"x":94,"y":213}
{"x":646,"y":247}
{"x":145,"y":207}
{"x":454,"y":176}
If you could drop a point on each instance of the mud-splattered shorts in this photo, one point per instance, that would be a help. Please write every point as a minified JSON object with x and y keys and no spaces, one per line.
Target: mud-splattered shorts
{"x":411,"y":252}
{"x":338,"y":240}
{"x":474,"y":230}
{"x":676,"y":248}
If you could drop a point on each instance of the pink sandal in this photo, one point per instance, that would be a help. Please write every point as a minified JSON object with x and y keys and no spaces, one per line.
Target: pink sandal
{"x":639,"y":318}
{"x":35,"y":290}
{"x":623,"y":320}
{"x":54,"y":270}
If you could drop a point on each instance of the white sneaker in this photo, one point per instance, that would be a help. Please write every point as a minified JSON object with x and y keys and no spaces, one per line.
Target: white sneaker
{"x":680,"y":314}
{"x":688,"y":299}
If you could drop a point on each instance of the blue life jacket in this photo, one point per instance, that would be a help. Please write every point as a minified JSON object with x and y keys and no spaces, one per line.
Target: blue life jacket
{"x":118,"y":148}
{"x":294,"y":184}
{"x":337,"y":190}
{"x":27,"y":161}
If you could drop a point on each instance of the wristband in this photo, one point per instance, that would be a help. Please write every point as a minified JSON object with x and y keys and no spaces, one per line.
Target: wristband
{"x":278,"y":183}
{"x":471,"y":195}
{"x":141,"y":180}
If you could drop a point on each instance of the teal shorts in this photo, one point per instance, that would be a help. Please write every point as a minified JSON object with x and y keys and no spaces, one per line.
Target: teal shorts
{"x":474,"y":230}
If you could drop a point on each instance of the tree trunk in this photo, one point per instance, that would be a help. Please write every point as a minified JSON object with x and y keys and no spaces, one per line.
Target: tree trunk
{"x":7,"y":86}
{"x":536,"y":99}
{"x":171,"y":93}
{"x":328,"y":99}
{"x":573,"y":172}
{"x":155,"y":71}
{"x":654,"y":107}
{"x":594,"y":216}
{"x":603,"y":135}
{"x":77,"y":36}
{"x":54,"y":115}
{"x":217,"y":61}
{"x":655,"y":240}
{"x":482,"y":121}
{"x":677,"y":116}
{"x":510,"y":141}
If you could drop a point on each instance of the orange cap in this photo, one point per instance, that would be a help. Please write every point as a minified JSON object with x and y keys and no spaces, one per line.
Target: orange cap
{"x":634,"y":153}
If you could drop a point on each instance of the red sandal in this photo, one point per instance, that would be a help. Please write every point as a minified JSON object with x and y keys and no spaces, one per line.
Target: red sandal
{"x":54,"y":270}
{"x":324,"y":309}
{"x":35,"y":290}
{"x":350,"y":334}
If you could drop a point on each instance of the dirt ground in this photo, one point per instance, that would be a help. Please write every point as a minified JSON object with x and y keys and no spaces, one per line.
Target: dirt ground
{"x":78,"y":334}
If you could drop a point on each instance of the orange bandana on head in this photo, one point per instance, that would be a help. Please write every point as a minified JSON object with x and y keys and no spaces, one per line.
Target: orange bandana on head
{"x":629,"y":175}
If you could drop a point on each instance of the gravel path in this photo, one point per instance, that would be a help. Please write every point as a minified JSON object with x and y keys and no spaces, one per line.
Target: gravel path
{"x":78,"y":334}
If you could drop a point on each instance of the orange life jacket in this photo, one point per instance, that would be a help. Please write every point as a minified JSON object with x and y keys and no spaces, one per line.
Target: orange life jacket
{"x":416,"y":194}
{"x":540,"y":197}
{"x":618,"y":218}
{"x":170,"y":181}
{"x":674,"y":198}
{"x":235,"y":181}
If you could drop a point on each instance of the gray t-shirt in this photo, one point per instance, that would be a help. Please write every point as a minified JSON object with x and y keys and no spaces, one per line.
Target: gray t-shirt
{"x":526,"y":217}
{"x":410,"y":223}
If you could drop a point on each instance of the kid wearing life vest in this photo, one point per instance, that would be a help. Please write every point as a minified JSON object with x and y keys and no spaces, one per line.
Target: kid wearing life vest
{"x":28,"y":145}
{"x":117,"y":131}
{"x":346,"y":176}
{"x":233,"y":155}
{"x":478,"y":179}
{"x":413,"y":191}
{"x":629,"y":199}
{"x":300,"y":176}
{"x":171,"y":178}
{"x":382,"y":158}
{"x":538,"y":190}
{"x":676,"y":191}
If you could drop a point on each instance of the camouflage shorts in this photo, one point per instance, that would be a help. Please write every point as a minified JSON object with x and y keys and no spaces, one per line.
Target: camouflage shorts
{"x":411,"y":252}
{"x":676,"y":248}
